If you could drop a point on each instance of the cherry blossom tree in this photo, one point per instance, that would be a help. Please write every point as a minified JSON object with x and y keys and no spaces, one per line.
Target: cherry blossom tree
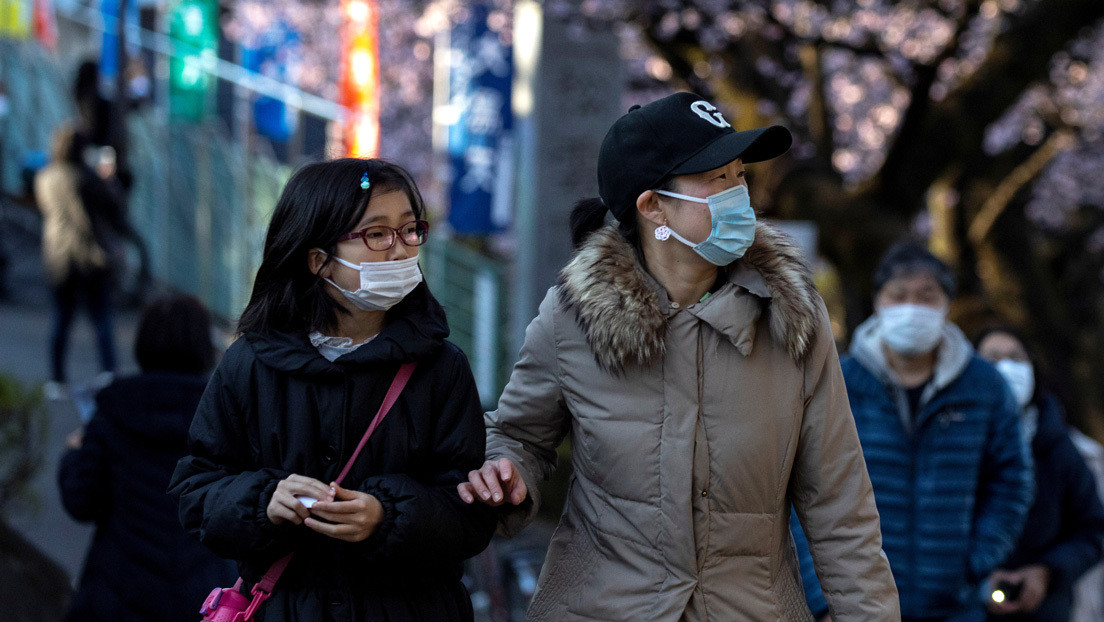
{"x":977,"y":123}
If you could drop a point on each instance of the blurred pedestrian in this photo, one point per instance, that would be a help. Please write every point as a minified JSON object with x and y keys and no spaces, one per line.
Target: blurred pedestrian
{"x":338,"y":305}
{"x":93,"y":109}
{"x":141,"y":564}
{"x":1064,"y":533}
{"x":940,"y":433}
{"x":80,"y":247}
{"x":100,"y":122}
{"x":689,"y":355}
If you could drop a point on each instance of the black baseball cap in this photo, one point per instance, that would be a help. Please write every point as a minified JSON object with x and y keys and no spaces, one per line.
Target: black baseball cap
{"x":680,"y":134}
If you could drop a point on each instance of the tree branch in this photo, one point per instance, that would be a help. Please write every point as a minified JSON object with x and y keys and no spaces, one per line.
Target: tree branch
{"x":952,"y":132}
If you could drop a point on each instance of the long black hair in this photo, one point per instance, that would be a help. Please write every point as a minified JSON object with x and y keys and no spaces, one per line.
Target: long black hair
{"x":321,"y":202}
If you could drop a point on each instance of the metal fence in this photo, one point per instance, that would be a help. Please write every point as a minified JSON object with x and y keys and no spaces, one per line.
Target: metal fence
{"x":474,"y":291}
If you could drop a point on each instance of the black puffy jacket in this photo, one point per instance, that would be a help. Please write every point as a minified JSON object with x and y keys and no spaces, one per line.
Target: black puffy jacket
{"x":276,"y":407}
{"x":1065,"y":526}
{"x":141,"y":565}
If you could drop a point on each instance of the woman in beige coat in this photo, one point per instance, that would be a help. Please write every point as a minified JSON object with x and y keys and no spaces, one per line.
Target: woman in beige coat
{"x":690,"y":357}
{"x":80,"y":215}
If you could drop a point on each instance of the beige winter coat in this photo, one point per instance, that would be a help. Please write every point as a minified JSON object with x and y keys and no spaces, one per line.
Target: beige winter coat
{"x":67,"y":238}
{"x":692,"y":432}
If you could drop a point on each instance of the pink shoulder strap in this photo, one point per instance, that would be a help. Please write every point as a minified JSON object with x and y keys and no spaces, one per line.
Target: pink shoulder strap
{"x":263,"y":589}
{"x":388,"y":401}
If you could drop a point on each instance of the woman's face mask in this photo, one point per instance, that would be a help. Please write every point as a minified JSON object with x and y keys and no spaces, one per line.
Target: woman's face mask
{"x":732,"y":228}
{"x":911,"y":329}
{"x":382,"y":283}
{"x":1020,"y":377}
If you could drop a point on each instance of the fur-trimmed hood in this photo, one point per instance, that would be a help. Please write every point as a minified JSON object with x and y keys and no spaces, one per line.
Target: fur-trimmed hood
{"x":622,"y":309}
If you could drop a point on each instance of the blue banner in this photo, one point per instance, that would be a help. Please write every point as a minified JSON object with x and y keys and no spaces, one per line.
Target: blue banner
{"x":109,"y":44}
{"x":479,"y":142}
{"x":276,"y":55}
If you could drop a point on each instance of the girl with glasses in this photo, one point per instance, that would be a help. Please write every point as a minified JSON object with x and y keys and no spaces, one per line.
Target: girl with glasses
{"x":338,"y":305}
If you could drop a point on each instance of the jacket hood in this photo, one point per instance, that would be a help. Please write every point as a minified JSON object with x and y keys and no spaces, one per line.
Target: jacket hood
{"x":413,"y":329}
{"x":156,"y":407}
{"x":621,"y":311}
{"x":953,"y":354}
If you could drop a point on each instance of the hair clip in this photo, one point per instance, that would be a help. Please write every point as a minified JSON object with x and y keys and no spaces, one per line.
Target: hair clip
{"x":365,"y":183}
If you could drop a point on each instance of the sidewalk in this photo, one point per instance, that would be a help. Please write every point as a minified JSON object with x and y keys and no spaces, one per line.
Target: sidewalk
{"x":25,"y":319}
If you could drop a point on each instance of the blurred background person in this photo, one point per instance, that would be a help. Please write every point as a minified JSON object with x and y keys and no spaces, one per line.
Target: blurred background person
{"x":142,"y":565}
{"x":80,"y":249}
{"x":93,"y":109}
{"x":1064,"y":533}
{"x":940,"y":434}
{"x":98,"y":120}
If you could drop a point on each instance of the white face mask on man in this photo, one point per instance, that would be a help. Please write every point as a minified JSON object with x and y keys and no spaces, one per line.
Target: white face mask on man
{"x":382,"y":283}
{"x":911,"y":329}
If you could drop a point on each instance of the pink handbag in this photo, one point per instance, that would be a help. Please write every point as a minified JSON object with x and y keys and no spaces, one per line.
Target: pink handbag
{"x":228,"y":604}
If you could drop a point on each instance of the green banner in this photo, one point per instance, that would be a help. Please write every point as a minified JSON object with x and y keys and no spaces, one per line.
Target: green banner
{"x":193,"y":27}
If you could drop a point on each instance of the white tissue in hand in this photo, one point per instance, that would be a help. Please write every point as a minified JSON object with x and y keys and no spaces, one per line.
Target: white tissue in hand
{"x":306,"y":501}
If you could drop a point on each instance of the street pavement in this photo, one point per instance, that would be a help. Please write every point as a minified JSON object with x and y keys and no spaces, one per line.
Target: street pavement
{"x":25,"y":318}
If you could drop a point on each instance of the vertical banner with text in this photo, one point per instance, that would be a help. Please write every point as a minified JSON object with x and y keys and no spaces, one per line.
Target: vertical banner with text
{"x":479,"y":140}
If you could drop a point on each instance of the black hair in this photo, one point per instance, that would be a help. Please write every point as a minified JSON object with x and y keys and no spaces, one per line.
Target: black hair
{"x":909,"y":257}
{"x":589,"y":215}
{"x":321,"y":202}
{"x":174,"y":335}
{"x":1042,"y":381}
{"x":87,"y":83}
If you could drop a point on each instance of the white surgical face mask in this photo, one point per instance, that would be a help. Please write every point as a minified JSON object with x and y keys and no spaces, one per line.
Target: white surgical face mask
{"x":382,"y":283}
{"x":732,"y":225}
{"x":911,"y":329}
{"x":1020,"y":376}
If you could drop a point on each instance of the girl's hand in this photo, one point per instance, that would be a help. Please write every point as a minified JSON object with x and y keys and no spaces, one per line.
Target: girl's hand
{"x":352,"y":515}
{"x":284,"y":507}
{"x":497,"y":482}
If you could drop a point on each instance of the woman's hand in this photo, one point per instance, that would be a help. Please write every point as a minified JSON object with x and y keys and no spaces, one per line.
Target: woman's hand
{"x":495,"y":483}
{"x":352,"y":515}
{"x":285,"y":508}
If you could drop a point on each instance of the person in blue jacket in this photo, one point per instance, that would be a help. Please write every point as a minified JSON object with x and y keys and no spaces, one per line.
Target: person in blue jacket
{"x":941,"y":436}
{"x":1064,"y":533}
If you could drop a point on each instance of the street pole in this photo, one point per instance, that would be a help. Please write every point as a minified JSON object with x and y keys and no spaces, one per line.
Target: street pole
{"x":118,"y":137}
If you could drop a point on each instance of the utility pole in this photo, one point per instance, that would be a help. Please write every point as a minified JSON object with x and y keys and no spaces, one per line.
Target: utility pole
{"x":117,"y":131}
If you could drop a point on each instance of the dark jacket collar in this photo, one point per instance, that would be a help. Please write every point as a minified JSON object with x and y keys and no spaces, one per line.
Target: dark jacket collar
{"x":156,"y":407}
{"x":413,"y":329}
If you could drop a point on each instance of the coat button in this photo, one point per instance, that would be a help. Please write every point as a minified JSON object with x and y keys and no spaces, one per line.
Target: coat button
{"x":705,"y":493}
{"x":330,"y":455}
{"x":674,"y":305}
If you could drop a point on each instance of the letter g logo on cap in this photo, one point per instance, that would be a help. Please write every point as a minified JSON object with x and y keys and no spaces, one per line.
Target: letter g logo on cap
{"x":709,"y":112}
